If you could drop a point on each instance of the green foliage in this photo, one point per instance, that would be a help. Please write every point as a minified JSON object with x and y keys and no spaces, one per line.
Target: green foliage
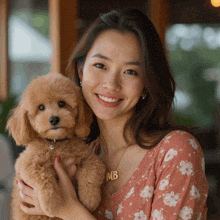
{"x":186,"y":121}
{"x":5,"y":107}
{"x":189,"y":71}
{"x":41,"y":22}
{"x":2,"y":186}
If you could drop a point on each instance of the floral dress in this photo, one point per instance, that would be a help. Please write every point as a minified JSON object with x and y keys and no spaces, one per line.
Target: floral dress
{"x":170,"y":183}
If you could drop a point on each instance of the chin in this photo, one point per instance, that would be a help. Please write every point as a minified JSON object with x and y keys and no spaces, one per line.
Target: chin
{"x":108,"y":117}
{"x":116,"y":116}
{"x":56,"y":134}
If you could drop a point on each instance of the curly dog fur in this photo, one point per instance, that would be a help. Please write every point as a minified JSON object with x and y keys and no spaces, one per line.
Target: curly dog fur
{"x":52,"y":107}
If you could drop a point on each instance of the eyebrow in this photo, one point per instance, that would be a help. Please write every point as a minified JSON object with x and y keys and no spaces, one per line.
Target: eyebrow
{"x":136,"y":63}
{"x":101,"y":56}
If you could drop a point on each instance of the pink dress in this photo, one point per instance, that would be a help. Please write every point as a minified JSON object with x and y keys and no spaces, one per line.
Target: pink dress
{"x":170,"y":183}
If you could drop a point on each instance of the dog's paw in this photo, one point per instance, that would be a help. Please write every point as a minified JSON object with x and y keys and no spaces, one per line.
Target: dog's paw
{"x":90,"y":200}
{"x":51,"y":201}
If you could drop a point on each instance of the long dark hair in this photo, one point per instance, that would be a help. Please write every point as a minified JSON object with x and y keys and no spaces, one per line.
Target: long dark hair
{"x":151,"y":119}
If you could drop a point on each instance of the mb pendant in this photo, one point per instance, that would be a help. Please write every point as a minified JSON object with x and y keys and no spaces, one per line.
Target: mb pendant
{"x":113,"y":175}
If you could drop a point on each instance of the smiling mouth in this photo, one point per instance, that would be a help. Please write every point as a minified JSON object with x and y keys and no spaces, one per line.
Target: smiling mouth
{"x":111,"y":100}
{"x":55,"y":128}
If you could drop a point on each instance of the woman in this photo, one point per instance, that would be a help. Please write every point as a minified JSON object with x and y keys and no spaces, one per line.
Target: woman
{"x":155,"y":171}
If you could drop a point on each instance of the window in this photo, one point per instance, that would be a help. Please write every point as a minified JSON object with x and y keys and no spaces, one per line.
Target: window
{"x":29,"y":47}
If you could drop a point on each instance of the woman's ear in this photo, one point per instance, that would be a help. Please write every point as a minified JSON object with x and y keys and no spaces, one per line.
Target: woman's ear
{"x":80,"y":72}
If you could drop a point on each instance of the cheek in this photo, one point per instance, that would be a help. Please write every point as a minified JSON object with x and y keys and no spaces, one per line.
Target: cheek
{"x":40,"y":122}
{"x":135,"y":89}
{"x":67,"y":118}
{"x":86,"y":94}
{"x":91,"y":75}
{"x":88,"y":87}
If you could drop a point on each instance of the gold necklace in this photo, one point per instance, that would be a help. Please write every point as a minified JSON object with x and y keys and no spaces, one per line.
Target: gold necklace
{"x":114,"y":174}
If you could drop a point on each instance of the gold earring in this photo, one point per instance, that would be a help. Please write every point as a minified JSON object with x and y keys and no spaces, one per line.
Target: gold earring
{"x":143,"y":96}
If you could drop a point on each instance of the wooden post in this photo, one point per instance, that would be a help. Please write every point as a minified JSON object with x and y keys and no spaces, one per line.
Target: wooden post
{"x":63,"y":32}
{"x":159,"y":13}
{"x":4,"y":88}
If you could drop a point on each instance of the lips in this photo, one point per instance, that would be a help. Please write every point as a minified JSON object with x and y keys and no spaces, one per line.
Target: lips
{"x":109,"y":100}
{"x":56,"y":128}
{"x":109,"y":96}
{"x":104,"y":98}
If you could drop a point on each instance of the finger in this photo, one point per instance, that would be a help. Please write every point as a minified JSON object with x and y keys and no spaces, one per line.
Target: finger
{"x":25,"y":189}
{"x":26,"y":198}
{"x":26,"y":184}
{"x":30,"y":211}
{"x":22,"y":178}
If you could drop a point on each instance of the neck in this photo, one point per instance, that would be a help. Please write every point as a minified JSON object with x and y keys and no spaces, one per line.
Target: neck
{"x":57,"y":140}
{"x":111,"y":136}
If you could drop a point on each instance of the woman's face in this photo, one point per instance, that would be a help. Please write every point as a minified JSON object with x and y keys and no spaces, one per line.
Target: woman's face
{"x":112,"y":79}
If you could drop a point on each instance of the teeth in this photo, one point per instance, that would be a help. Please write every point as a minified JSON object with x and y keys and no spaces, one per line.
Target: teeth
{"x":108,"y":99}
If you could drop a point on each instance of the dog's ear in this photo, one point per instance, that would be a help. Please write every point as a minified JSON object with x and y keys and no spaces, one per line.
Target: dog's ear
{"x":84,"y":120}
{"x":19,"y":126}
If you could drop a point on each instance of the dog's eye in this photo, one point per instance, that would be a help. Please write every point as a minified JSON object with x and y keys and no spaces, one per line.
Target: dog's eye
{"x":61,"y":104}
{"x":41,"y":107}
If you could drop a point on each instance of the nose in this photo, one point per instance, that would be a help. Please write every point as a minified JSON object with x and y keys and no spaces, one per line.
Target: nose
{"x":54,"y":120}
{"x":112,"y":81}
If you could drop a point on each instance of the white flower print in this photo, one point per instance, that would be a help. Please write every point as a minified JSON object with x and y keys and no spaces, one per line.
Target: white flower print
{"x":171,"y":199}
{"x":162,"y":151}
{"x":163,"y":184}
{"x":147,"y":192}
{"x":130,"y":193}
{"x":140,"y":216}
{"x":194,"y":192}
{"x":203,"y":164}
{"x":186,"y":168}
{"x":199,"y":216}
{"x":170,"y":154}
{"x":186,"y":213}
{"x":100,"y":212}
{"x":108,"y":214}
{"x":120,"y":207}
{"x":157,"y":215}
{"x":167,"y":139}
{"x":193,"y":143}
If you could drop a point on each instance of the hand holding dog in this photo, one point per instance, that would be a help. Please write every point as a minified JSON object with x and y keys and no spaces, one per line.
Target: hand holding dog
{"x":69,"y":196}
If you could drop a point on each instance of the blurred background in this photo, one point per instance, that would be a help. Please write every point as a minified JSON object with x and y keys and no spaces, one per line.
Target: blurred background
{"x":37,"y":36}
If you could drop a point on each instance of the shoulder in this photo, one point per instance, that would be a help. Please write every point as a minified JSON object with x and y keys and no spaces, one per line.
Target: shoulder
{"x":178,"y":146}
{"x":179,"y":139}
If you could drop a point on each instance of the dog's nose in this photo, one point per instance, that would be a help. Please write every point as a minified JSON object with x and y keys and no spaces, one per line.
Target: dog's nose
{"x":54,"y":120}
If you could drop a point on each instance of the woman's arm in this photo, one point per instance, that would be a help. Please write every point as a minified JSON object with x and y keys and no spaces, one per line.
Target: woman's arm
{"x":71,"y":206}
{"x":77,"y":212}
{"x":181,"y":187}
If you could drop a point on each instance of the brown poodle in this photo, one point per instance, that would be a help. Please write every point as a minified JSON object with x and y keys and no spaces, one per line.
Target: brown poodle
{"x":51,"y":120}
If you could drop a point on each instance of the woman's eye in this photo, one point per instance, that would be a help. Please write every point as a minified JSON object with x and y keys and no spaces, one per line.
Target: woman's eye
{"x":131,"y":72}
{"x":100,"y":66}
{"x":41,"y":107}
{"x":61,"y":104}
